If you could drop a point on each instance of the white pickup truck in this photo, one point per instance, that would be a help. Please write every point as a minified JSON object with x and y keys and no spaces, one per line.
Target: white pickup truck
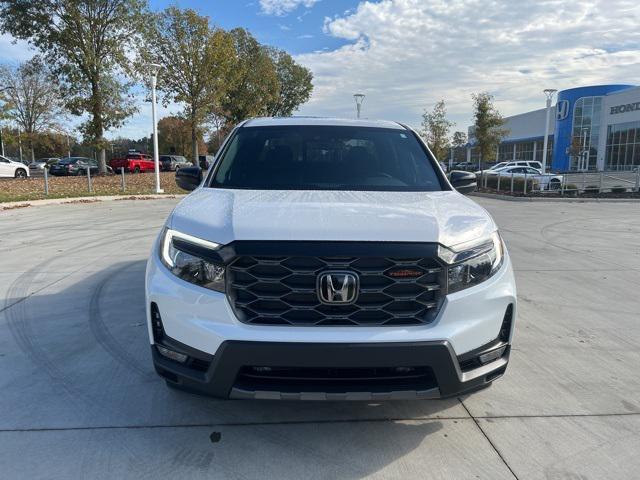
{"x":327,"y":259}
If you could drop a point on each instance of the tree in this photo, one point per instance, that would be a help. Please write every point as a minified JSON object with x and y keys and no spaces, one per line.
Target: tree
{"x":435,"y":130}
{"x":459,"y":144}
{"x":34,"y":102}
{"x":255,"y":83}
{"x":294,"y":85}
{"x":197,"y":61}
{"x":87,"y":44}
{"x":50,"y":144}
{"x":488,"y":121}
{"x":459,"y":139}
{"x":174,"y":136}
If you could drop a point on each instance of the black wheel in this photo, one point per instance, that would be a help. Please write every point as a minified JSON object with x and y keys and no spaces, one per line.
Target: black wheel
{"x":136,"y":169}
{"x":21,"y":173}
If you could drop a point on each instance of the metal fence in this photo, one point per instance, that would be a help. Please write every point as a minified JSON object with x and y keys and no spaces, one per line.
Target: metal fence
{"x":563,"y":184}
{"x":123,"y":184}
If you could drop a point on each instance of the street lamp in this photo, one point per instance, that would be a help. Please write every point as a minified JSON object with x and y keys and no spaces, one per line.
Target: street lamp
{"x":155,"y":68}
{"x":549,"y":92}
{"x":359,"y":99}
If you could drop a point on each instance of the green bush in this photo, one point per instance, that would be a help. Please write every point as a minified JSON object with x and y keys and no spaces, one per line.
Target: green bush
{"x":505,"y":183}
{"x":618,"y":189}
{"x":591,"y":189}
{"x":571,"y":189}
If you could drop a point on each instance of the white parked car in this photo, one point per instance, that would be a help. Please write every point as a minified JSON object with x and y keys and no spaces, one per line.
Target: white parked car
{"x":10,"y":168}
{"x":517,"y":163}
{"x":325,"y":259}
{"x":545,"y":181}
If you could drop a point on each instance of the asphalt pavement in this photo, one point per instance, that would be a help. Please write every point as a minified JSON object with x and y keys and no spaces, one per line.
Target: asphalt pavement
{"x":79,"y":397}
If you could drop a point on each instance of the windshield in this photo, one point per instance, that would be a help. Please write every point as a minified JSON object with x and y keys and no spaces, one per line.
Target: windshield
{"x":326,"y":158}
{"x":66,"y":161}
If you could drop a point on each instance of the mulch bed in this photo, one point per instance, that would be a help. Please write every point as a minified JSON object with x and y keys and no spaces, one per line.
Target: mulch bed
{"x":17,"y":190}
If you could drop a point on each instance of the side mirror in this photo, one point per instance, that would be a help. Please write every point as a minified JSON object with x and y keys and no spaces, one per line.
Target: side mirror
{"x":464,"y":182}
{"x":189,"y":178}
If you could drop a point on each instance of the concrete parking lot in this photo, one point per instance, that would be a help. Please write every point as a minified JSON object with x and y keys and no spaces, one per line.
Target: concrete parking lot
{"x":79,"y":398}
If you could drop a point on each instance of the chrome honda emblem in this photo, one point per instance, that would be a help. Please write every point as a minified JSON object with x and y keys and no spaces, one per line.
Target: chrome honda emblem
{"x":338,"y":288}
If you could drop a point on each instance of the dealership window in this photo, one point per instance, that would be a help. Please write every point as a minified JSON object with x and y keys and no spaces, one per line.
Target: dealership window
{"x":524,"y":151}
{"x":585,"y":134}
{"x":505,"y":152}
{"x":623,"y":146}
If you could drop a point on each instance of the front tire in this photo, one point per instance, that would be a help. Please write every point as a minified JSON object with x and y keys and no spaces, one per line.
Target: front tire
{"x":136,"y":169}
{"x":20,"y":173}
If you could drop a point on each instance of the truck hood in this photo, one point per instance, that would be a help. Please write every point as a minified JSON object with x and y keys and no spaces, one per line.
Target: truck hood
{"x":222,"y":216}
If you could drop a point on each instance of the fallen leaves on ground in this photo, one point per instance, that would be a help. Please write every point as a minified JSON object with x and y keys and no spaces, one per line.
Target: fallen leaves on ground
{"x":16,"y":190}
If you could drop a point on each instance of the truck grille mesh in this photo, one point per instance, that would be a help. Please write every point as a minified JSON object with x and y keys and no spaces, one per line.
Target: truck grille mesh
{"x":281,"y":290}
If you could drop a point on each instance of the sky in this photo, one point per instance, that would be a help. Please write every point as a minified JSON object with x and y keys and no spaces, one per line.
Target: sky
{"x":405,"y":55}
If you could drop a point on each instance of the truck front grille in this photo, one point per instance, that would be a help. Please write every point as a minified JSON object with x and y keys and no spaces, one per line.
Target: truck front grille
{"x":282,"y":290}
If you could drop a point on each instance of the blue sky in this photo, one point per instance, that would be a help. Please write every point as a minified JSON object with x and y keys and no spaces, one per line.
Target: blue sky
{"x":405,"y":55}
{"x":298,"y":30}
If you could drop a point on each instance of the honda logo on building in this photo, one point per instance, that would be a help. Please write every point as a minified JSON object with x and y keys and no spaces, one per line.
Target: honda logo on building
{"x":562,"y":109}
{"x":337,"y":288}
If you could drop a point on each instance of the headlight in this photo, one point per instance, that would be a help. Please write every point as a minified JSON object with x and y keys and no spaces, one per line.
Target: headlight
{"x":472,"y":263}
{"x":192,"y":259}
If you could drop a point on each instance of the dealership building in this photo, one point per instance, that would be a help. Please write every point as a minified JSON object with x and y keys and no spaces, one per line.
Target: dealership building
{"x":591,"y":128}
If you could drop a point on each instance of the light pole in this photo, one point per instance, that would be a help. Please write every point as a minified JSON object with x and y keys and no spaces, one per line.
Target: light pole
{"x":359,"y":97}
{"x":1,"y":130}
{"x":549,"y":94}
{"x":155,"y":68}
{"x":20,"y":145}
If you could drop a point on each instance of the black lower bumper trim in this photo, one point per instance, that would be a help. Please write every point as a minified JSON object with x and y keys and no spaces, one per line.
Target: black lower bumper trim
{"x":224,"y":378}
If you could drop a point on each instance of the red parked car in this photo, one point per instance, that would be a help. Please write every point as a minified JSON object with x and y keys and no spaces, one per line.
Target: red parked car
{"x":134,"y":162}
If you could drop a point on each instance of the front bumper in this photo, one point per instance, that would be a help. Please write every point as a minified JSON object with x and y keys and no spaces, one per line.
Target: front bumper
{"x":370,"y":371}
{"x":201,"y":324}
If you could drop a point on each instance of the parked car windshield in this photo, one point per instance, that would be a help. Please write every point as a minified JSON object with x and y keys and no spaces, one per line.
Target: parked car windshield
{"x":66,"y":161}
{"x":326,"y":158}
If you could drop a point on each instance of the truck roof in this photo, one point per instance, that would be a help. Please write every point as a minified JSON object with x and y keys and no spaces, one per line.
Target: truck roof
{"x":321,"y":121}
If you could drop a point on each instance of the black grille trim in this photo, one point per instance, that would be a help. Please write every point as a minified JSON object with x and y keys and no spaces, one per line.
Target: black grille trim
{"x":278,"y":286}
{"x":335,"y":380}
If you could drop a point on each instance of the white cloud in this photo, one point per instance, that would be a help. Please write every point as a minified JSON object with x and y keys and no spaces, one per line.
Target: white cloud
{"x":407,"y":54}
{"x":282,"y":7}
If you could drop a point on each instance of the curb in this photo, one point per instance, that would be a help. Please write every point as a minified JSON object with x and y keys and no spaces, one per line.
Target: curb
{"x":96,"y":199}
{"x":508,"y":198}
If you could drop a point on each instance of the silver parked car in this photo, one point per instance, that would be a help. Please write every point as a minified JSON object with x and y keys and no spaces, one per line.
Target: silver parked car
{"x":171,"y":163}
{"x":37,"y":166}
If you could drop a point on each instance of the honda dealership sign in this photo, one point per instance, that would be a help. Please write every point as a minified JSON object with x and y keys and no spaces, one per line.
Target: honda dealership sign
{"x":627,"y":107}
